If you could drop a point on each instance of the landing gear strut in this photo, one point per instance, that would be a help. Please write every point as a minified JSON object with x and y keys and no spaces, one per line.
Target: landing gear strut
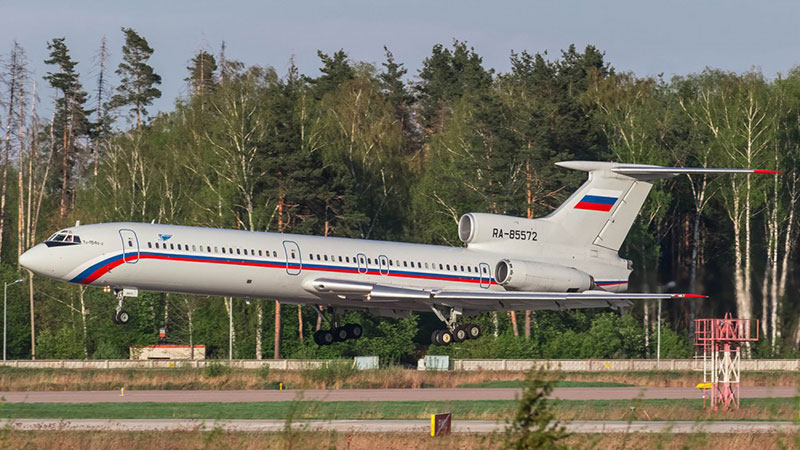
{"x":336,"y":333}
{"x":120,"y":316}
{"x":453,"y":333}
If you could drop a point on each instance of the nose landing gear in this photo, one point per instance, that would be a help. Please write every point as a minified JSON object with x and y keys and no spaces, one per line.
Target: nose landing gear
{"x":120,"y":316}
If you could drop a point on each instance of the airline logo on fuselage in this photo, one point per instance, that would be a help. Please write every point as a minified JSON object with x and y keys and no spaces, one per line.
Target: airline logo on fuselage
{"x":164,"y":237}
{"x":598,"y":200}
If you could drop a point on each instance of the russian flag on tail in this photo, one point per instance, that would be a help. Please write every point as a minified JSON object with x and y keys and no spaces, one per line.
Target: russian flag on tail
{"x":598,"y":200}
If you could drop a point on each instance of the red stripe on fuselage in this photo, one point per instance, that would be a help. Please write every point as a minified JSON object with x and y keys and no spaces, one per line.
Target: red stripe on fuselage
{"x":105,"y":269}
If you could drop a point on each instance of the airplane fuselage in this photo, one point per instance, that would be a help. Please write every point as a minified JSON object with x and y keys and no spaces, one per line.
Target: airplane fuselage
{"x":207,"y":261}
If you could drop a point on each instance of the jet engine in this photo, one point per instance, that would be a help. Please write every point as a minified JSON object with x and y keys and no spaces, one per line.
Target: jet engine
{"x":518,"y":275}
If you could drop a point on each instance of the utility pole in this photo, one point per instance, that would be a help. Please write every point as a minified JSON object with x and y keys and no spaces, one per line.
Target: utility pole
{"x":5,"y":314}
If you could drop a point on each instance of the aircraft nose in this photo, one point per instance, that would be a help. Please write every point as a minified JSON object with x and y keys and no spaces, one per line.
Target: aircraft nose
{"x":35,"y":259}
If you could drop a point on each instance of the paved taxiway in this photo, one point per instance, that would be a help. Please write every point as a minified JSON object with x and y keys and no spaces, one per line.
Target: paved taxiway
{"x":385,"y":426}
{"x":382,"y":395}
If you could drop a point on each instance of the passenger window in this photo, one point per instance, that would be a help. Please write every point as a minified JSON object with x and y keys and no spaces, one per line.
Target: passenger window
{"x":484,"y":270}
{"x":149,"y":245}
{"x":390,"y":262}
{"x":238,"y":251}
{"x":274,"y":254}
{"x":405,"y":263}
{"x":259,"y":253}
{"x":326,"y":257}
{"x":179,"y":246}
{"x":223,"y":249}
{"x":448,"y":267}
{"x":292,"y":255}
{"x":172,"y":246}
{"x":440,"y":267}
{"x":469,"y":269}
{"x":311,"y":256}
{"x":340,"y":259}
{"x":462,"y":268}
{"x":230,"y":250}
{"x":156,"y":244}
{"x":208,"y":249}
{"x":369,"y":261}
{"x":216,"y":249}
{"x":347,"y":258}
{"x":426,"y":265}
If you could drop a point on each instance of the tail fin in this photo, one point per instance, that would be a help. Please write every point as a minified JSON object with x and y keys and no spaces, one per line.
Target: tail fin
{"x":601,"y":212}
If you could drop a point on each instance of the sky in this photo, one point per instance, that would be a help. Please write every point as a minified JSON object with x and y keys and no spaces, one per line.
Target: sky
{"x":642,"y":36}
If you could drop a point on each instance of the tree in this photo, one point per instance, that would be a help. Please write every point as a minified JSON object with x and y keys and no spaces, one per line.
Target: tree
{"x":201,"y":73}
{"x":70,"y":115}
{"x":446,"y":76}
{"x":533,"y":424}
{"x":138,"y":81}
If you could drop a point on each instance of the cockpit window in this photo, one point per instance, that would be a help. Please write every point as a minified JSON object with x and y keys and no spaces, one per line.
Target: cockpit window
{"x":63,"y":237}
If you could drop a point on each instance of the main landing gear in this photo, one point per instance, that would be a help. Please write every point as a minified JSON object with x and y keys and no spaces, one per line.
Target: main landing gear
{"x":337,"y":333}
{"x":453,"y":333}
{"x":120,"y":316}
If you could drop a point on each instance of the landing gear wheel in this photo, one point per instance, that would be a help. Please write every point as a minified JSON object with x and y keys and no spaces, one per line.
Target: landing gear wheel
{"x":473,"y":331}
{"x":323,"y":337}
{"x":122,"y":317}
{"x":354,"y":330}
{"x":435,"y":337}
{"x":460,"y":334}
{"x":339,"y":334}
{"x":446,"y":337}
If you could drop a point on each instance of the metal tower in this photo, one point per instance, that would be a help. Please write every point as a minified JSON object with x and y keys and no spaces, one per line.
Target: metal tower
{"x":720,"y":341}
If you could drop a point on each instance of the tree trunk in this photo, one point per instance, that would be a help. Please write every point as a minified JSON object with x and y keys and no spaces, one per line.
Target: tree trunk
{"x":259,"y":329}
{"x":277,"y":353}
{"x":300,"y":322}
{"x":513,"y":315}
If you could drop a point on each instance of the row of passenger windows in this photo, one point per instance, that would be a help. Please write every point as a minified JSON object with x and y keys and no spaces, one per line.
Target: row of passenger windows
{"x":214,"y":249}
{"x":399,"y":263}
{"x":314,"y":257}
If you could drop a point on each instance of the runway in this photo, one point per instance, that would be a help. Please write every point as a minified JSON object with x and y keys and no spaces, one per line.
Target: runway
{"x":388,"y":426}
{"x":382,"y":395}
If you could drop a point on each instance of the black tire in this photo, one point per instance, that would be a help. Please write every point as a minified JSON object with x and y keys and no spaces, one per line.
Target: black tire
{"x":114,"y":317}
{"x":323,"y":337}
{"x":435,"y":337}
{"x":339,"y":334}
{"x":318,"y":337}
{"x":446,"y":337}
{"x":460,"y":334}
{"x":473,"y":331}
{"x":354,"y":330}
{"x":123,"y":317}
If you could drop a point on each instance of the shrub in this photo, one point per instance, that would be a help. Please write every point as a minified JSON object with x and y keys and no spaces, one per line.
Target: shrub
{"x":533,"y":426}
{"x":330,"y":374}
{"x":215,"y":369}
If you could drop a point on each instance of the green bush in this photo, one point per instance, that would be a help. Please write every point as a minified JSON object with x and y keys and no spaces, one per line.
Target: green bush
{"x":66,"y":343}
{"x":331,"y":373}
{"x":215,"y":369}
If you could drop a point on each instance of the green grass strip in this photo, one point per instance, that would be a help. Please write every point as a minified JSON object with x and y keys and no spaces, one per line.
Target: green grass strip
{"x":465,"y":409}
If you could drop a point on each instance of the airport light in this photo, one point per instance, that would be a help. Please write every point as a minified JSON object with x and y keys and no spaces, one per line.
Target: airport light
{"x":5,"y":315}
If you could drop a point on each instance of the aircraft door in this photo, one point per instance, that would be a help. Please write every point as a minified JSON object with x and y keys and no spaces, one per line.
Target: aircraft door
{"x":130,"y":246}
{"x":361,"y":259}
{"x":294,"y":262}
{"x":383,"y":265}
{"x":486,"y":275}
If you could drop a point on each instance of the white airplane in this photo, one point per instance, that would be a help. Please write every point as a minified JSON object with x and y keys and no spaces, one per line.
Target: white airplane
{"x":566,"y":260}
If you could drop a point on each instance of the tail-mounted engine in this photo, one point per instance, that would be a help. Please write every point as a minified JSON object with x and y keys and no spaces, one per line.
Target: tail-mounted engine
{"x":518,"y":275}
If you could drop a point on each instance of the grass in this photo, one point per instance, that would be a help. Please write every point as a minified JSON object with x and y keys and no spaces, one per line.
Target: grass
{"x":218,"y":439}
{"x":22,"y":379}
{"x":559,"y":384}
{"x":752,"y":409}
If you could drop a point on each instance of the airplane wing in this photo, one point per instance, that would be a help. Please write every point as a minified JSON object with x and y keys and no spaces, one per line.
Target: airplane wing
{"x":382,"y":296}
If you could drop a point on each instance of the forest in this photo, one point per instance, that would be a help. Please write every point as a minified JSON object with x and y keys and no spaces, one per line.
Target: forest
{"x":369,"y":150}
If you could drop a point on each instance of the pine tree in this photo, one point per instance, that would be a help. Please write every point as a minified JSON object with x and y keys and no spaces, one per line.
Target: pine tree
{"x":138,"y":81}
{"x":201,"y":72}
{"x":70,"y":115}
